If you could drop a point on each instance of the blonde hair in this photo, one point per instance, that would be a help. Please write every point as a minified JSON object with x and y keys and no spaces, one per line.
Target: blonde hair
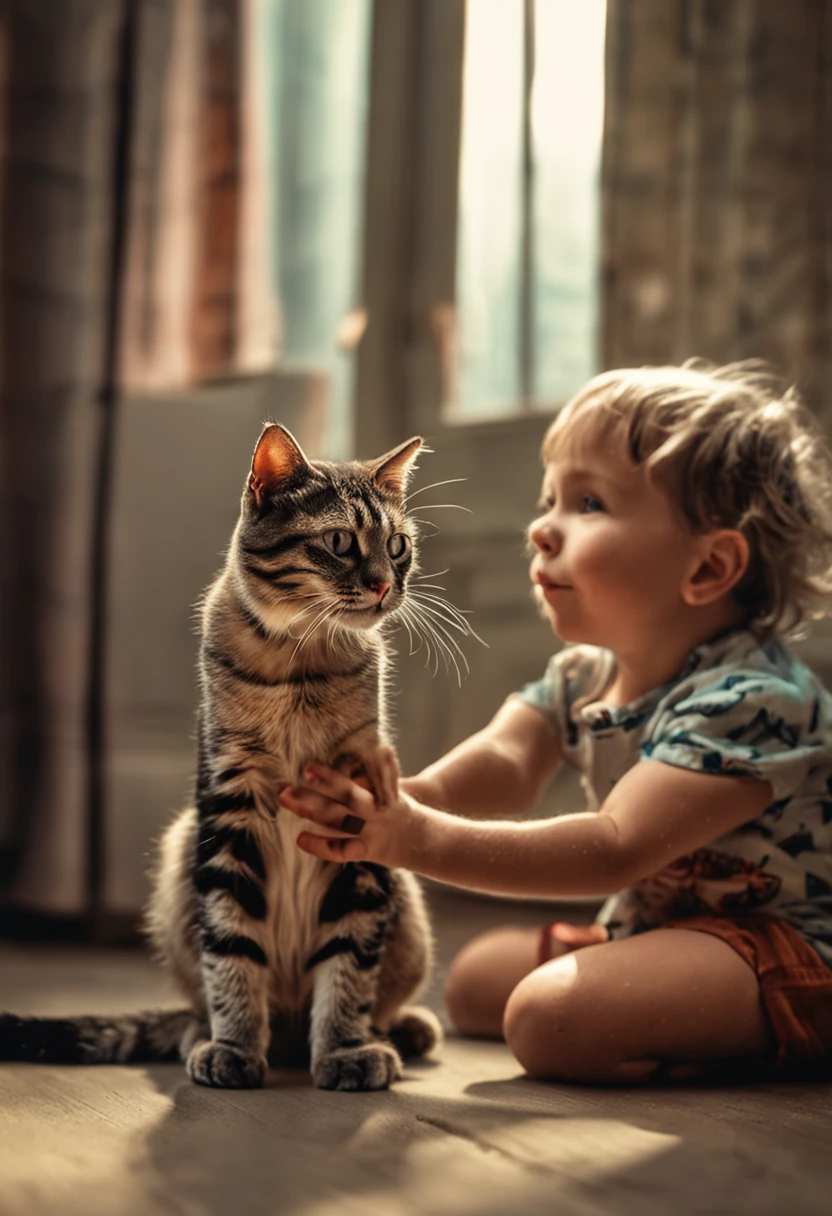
{"x":731,"y":450}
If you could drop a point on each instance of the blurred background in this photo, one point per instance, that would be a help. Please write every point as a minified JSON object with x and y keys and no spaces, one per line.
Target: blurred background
{"x":366,"y":219}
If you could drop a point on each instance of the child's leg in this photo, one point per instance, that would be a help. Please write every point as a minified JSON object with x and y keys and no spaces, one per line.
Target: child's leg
{"x":615,"y":1012}
{"x":486,"y":971}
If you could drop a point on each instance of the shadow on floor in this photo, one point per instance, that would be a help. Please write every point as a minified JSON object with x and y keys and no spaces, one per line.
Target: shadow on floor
{"x":508,"y":1145}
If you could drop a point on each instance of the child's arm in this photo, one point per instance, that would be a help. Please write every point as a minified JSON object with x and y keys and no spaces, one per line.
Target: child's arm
{"x":654,"y":815}
{"x":501,"y":770}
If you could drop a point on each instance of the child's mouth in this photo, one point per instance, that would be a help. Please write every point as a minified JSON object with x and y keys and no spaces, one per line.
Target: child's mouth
{"x":551,"y":589}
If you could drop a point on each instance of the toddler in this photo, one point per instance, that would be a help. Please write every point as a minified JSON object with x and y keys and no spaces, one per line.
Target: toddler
{"x":685,"y":532}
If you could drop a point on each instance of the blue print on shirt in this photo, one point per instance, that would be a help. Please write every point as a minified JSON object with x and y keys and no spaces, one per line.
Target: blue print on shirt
{"x":764,"y":726}
{"x":736,"y":710}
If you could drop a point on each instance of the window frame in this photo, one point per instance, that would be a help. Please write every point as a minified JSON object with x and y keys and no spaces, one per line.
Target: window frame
{"x":408,"y":361}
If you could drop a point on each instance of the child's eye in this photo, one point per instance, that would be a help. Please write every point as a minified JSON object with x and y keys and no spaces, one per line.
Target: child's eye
{"x":590,"y":504}
{"x":545,"y":504}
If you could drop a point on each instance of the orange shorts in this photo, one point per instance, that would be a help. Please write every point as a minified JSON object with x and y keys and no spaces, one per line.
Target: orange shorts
{"x":795,"y":983}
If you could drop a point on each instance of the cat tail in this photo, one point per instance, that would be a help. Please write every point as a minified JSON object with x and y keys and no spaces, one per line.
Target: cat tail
{"x":125,"y":1039}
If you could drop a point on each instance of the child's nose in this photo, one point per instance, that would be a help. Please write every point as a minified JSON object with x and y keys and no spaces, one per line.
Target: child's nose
{"x":545,"y":537}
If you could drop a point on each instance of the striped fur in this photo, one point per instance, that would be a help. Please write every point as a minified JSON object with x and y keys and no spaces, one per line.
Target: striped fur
{"x":269,"y":945}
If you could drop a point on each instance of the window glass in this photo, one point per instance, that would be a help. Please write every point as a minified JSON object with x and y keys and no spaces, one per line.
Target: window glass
{"x":554,"y":49}
{"x":490,"y":208}
{"x":319,"y":93}
{"x":567,"y":116}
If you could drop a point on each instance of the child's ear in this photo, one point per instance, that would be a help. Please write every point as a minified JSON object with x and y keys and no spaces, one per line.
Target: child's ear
{"x":721,"y":562}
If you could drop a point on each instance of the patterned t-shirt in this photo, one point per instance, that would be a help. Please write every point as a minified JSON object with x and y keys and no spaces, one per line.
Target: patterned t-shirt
{"x":737,"y":709}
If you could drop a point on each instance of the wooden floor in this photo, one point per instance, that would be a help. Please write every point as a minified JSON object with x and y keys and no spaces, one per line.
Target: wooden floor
{"x":467,"y":1134}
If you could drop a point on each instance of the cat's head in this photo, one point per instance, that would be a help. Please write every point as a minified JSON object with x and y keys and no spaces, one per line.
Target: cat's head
{"x":324,"y":541}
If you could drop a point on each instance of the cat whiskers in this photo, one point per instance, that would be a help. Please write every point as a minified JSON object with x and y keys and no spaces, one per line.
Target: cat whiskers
{"x":450,"y":613}
{"x":317,"y":600}
{"x":441,"y":648}
{"x":440,"y":604}
{"x":329,"y":606}
{"x":289,"y":599}
{"x":401,"y":614}
{"x":409,"y":618}
{"x":436,"y":574}
{"x":434,"y":620}
{"x":422,"y":585}
{"x":429,"y":615}
{"x":438,"y":506}
{"x":434,"y":485}
{"x":312,"y":607}
{"x":335,"y":636}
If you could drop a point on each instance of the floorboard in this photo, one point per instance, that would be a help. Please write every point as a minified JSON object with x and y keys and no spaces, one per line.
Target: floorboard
{"x":465,"y":1134}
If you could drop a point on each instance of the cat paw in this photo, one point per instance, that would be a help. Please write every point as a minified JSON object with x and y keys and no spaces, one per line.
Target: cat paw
{"x":224,"y":1066}
{"x":197,"y":1031}
{"x":351,"y":766}
{"x":415,"y":1031}
{"x":372,"y":1066}
{"x":382,"y":772}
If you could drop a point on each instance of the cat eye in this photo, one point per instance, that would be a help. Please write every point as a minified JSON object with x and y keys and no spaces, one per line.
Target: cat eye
{"x":339,"y":541}
{"x":398,"y":546}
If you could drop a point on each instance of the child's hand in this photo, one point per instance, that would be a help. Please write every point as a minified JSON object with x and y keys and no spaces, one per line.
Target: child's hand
{"x":360,"y":824}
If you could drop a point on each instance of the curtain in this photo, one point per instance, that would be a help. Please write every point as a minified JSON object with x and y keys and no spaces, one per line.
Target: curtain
{"x":138,"y":317}
{"x":60,"y":76}
{"x":96,"y":187}
{"x":199,"y":299}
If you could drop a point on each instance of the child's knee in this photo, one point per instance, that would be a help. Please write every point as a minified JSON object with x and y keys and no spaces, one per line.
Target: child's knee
{"x":547,"y":1024}
{"x":460,"y":1000}
{"x":465,"y":983}
{"x":483,"y":974}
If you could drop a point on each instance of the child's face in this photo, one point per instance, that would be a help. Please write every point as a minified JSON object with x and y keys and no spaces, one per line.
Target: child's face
{"x":611,"y":556}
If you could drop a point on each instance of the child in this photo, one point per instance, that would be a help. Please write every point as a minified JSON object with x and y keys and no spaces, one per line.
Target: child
{"x":685,"y":531}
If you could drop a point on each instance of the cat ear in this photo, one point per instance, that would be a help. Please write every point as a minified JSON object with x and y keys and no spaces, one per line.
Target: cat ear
{"x":277,"y":463}
{"x":392,"y":472}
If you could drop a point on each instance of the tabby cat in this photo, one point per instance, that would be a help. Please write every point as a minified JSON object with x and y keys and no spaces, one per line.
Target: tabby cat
{"x":283,"y":956}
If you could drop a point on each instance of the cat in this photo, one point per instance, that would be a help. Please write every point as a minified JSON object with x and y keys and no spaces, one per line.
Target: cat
{"x":284,"y":957}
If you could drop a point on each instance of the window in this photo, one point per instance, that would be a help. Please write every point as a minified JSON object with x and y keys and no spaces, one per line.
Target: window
{"x":529,"y":203}
{"x":317,"y":63}
{"x":245,"y":244}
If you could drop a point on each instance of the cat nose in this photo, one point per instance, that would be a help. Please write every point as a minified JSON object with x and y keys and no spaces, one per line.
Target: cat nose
{"x":380,"y":589}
